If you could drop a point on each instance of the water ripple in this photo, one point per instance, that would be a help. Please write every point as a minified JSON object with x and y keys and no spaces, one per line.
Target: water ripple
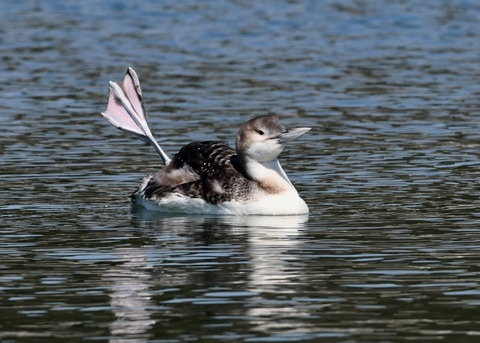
{"x":389,"y":170}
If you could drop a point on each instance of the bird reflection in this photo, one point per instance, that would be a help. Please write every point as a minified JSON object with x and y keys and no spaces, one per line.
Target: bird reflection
{"x":195,"y":255}
{"x":130,"y":295}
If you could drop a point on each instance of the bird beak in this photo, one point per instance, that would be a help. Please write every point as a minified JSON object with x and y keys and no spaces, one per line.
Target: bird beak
{"x":291,"y":134}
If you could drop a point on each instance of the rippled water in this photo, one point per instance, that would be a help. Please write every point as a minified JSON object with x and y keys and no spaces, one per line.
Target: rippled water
{"x":390,"y":251}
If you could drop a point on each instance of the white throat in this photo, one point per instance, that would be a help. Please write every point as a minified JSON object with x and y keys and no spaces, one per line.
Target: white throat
{"x":269,"y":175}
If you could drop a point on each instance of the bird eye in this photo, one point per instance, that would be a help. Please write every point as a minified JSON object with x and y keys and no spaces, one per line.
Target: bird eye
{"x":260,"y":132}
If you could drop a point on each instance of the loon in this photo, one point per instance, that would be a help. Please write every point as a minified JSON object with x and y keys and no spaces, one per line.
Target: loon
{"x":209,"y":177}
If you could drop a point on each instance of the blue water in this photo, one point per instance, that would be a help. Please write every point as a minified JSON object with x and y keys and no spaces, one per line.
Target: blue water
{"x":390,"y":251}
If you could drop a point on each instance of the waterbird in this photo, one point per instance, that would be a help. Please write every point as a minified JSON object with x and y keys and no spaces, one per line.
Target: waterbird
{"x":209,"y":177}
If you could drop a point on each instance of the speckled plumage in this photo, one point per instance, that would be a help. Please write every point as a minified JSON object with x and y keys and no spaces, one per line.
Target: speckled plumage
{"x":215,"y":173}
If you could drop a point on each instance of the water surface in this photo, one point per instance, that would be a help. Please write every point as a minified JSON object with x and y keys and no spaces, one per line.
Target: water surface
{"x":390,"y":250}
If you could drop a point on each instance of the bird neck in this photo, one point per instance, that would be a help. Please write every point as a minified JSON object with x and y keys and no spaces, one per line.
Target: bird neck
{"x":269,"y":175}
